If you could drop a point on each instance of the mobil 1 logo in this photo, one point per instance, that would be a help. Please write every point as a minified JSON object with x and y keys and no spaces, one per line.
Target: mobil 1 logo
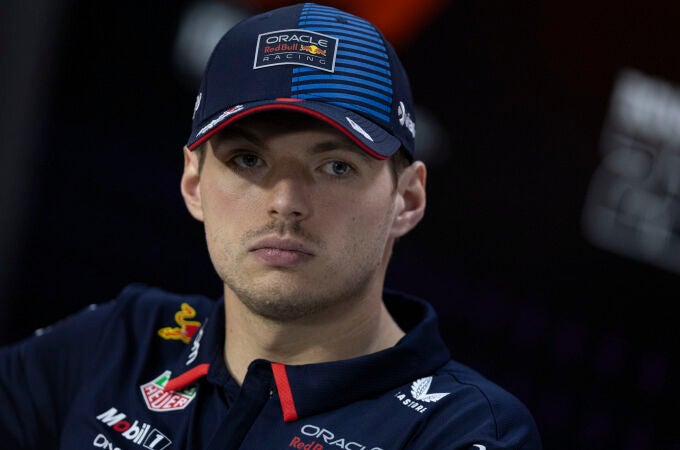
{"x":134,"y":431}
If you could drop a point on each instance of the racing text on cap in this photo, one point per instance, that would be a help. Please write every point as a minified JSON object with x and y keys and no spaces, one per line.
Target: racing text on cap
{"x":298,"y":47}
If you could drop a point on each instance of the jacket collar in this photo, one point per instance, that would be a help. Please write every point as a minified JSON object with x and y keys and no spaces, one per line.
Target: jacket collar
{"x":313,"y":388}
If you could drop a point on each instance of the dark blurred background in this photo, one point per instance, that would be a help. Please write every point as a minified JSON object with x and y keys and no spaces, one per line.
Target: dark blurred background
{"x":552,"y":132}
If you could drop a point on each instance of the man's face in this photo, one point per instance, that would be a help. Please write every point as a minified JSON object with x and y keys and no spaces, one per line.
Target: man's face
{"x":297,"y":218}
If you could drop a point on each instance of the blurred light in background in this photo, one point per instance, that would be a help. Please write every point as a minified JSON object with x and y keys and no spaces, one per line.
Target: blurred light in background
{"x":633,"y":202}
{"x":201,"y":26}
{"x":399,"y":20}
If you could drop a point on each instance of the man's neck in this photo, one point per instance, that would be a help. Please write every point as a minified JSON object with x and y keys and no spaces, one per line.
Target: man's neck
{"x":340,"y":332}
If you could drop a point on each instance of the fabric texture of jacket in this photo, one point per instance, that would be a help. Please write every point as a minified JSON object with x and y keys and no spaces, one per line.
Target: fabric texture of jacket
{"x":146,"y":371}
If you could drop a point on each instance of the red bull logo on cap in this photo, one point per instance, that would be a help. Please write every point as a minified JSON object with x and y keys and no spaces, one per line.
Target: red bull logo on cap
{"x":297,"y":47}
{"x":313,"y":49}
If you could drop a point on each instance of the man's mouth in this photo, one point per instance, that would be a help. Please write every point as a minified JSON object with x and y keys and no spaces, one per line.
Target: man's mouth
{"x":281,"y":252}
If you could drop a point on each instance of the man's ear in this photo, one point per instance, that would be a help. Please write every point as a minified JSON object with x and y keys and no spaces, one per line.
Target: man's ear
{"x":190,"y":184}
{"x":411,"y":198}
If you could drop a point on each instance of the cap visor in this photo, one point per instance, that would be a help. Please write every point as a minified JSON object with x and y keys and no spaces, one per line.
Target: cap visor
{"x":369,"y":136}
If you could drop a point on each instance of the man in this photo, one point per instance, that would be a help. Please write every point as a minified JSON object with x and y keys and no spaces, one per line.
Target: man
{"x":301,"y":166}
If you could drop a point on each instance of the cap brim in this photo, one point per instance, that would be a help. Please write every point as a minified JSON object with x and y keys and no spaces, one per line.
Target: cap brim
{"x":370,"y":137}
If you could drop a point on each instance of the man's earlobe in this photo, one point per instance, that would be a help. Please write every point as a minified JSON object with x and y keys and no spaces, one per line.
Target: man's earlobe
{"x":190,"y":184}
{"x":412,"y":198}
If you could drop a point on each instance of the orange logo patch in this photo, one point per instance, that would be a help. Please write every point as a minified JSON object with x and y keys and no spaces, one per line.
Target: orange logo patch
{"x":186,"y":329}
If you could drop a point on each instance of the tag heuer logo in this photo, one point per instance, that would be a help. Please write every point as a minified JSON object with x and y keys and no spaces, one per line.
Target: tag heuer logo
{"x":158,"y":400}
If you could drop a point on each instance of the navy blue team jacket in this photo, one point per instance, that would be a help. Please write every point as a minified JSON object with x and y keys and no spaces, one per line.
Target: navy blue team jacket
{"x":146,"y":371}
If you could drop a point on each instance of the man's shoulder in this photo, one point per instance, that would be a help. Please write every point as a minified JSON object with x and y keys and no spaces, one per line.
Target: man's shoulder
{"x":144,"y":297}
{"x":486,"y":402}
{"x":146,"y":306}
{"x":477,"y":388}
{"x":136,"y":307}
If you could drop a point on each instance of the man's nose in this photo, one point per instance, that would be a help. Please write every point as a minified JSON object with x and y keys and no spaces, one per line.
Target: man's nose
{"x":290,"y":194}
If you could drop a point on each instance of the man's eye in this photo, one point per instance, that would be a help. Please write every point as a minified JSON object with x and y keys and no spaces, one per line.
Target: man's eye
{"x":338,"y":168}
{"x":247,"y":161}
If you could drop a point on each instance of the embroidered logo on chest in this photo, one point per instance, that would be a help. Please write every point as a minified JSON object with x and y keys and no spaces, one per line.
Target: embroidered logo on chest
{"x":187,"y":328}
{"x":420,"y":394}
{"x":157,"y":399}
{"x":141,"y":433}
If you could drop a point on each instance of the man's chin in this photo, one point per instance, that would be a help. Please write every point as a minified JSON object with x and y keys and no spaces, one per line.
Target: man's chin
{"x":280,"y":297}
{"x":283,"y":308}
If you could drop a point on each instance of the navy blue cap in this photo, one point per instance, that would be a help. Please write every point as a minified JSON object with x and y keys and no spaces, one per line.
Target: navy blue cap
{"x":314,"y":59}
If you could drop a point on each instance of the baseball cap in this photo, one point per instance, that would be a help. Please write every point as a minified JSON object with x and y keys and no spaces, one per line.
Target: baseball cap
{"x":315,"y":59}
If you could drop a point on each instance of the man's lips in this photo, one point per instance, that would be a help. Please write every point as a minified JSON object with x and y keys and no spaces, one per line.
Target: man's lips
{"x":277,"y":243}
{"x":284,"y":252}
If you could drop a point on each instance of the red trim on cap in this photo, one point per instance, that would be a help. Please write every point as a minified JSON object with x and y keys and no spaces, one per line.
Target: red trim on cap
{"x":288,"y":106}
{"x":187,"y":377}
{"x":286,"y":99}
{"x":285,"y":394}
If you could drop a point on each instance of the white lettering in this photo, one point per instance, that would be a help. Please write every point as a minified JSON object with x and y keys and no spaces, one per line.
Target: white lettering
{"x":156,"y":441}
{"x":309,"y":430}
{"x":101,"y":442}
{"x":133,"y":431}
{"x":142,"y":434}
{"x":330,"y":439}
{"x":295,"y":56}
{"x":405,"y":119}
{"x":354,"y":446}
{"x":195,"y":346}
{"x":222,"y":116}
{"x":410,"y":403}
{"x":326,"y":435}
{"x":111,"y":417}
{"x":136,"y":432}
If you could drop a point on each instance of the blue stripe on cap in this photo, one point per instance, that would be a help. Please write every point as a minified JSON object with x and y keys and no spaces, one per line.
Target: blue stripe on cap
{"x":368,"y":111}
{"x":357,"y":38}
{"x":336,"y":98}
{"x":345,"y":96}
{"x":362,"y":79}
{"x":347,"y":30}
{"x":324,"y":11}
{"x":349,"y":87}
{"x":380,"y":62}
{"x":351,"y":62}
{"x":348,"y":21}
{"x":362,"y":73}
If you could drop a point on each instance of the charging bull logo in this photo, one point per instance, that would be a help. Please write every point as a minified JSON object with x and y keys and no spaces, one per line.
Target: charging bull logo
{"x":313,"y":49}
{"x":186,"y":329}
